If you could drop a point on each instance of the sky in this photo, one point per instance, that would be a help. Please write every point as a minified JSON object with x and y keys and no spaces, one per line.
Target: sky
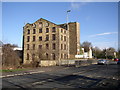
{"x":98,"y":20}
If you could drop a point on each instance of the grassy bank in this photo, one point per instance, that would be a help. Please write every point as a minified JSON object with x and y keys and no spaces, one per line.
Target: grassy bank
{"x":12,"y":70}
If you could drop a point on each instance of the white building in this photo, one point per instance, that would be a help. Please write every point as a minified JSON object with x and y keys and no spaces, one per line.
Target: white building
{"x":85,"y":54}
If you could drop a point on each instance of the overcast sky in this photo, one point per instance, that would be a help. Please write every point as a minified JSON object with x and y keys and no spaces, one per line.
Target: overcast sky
{"x":98,"y":20}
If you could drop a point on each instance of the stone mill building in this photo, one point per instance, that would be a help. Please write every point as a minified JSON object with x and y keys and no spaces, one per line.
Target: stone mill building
{"x":44,"y":40}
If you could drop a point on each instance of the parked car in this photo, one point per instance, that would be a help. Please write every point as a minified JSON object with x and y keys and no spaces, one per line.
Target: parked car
{"x":102,"y":61}
{"x":118,"y":62}
{"x":116,"y":59}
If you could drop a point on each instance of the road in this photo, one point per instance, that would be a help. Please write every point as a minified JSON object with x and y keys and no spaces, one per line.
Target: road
{"x":91,"y":76}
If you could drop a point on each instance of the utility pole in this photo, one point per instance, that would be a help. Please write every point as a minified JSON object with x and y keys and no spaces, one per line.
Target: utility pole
{"x":106,"y":53}
{"x":68,"y":32}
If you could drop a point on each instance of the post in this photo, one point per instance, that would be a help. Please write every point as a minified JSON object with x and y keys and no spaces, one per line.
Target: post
{"x":106,"y":53}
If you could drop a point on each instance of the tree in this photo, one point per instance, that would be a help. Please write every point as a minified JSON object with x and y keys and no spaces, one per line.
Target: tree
{"x":9,"y":56}
{"x":81,"y":51}
{"x":37,"y":55}
{"x":118,"y":53}
{"x":110,"y":53}
{"x":86,"y":45}
{"x":96,"y":52}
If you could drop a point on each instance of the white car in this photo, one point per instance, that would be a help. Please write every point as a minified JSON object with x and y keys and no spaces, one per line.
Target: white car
{"x":102,"y":61}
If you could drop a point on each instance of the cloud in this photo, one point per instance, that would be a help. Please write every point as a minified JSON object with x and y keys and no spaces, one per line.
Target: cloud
{"x":103,"y":45}
{"x":77,"y":5}
{"x":88,"y":18}
{"x":101,"y":34}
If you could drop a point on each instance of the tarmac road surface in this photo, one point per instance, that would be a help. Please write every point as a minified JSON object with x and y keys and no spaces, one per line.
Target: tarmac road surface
{"x":91,"y":76}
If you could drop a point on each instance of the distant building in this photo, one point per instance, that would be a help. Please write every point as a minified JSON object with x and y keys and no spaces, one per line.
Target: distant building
{"x":85,"y":54}
{"x":17,"y":48}
{"x":44,"y":40}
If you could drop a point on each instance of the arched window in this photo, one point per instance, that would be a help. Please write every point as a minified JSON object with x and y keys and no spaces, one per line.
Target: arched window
{"x":28,"y":31}
{"x":34,"y":31}
{"x":47,"y":30}
{"x":53,"y":29}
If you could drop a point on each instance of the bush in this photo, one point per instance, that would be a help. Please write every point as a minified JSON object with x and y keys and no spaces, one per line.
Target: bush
{"x":10,"y":57}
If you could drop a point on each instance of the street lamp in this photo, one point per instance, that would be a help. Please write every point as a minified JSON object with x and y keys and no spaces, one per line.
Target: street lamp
{"x":67,"y":19}
{"x":68,"y":32}
{"x":106,"y":52}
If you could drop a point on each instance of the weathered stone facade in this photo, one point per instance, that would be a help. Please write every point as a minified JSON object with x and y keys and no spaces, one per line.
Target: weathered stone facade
{"x":74,"y":39}
{"x":44,"y":40}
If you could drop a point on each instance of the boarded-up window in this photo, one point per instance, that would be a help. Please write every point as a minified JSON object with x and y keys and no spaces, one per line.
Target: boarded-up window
{"x":64,"y":46}
{"x":33,"y":46}
{"x":53,"y":37}
{"x":54,"y":45}
{"x":40,"y":38}
{"x":61,"y":55}
{"x":28,"y":38}
{"x":40,"y":30}
{"x":47,"y":37}
{"x":28,"y":31}
{"x":33,"y":38}
{"x":64,"y":38}
{"x":61,"y":46}
{"x":34,"y":31}
{"x":47,"y":30}
{"x":27,"y":56}
{"x":28,"y":46}
{"x":47,"y":46}
{"x":53,"y":29}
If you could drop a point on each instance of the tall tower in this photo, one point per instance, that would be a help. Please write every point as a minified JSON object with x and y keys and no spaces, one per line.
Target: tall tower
{"x":74,"y":39}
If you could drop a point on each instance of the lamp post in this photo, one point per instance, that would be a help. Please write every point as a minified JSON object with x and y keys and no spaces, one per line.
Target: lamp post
{"x":68,"y":32}
{"x":106,"y":52}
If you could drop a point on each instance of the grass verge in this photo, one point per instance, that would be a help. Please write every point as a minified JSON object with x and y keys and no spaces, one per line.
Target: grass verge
{"x":12,"y":70}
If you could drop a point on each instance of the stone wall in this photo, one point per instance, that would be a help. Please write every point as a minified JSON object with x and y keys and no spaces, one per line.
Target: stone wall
{"x":47,"y":63}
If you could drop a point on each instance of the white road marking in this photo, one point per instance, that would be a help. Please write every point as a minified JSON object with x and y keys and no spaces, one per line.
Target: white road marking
{"x":20,"y":74}
{"x":2,"y":76}
{"x":50,"y":79}
{"x":11,"y":75}
{"x":66,"y":68}
{"x":38,"y":82}
{"x":42,"y":81}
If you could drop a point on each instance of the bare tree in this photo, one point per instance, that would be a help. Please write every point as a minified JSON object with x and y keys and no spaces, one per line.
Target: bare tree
{"x":110,"y":53}
{"x":9,"y":56}
{"x":118,"y":53}
{"x":37,"y":56}
{"x":86,"y":45}
{"x":96,"y":52}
